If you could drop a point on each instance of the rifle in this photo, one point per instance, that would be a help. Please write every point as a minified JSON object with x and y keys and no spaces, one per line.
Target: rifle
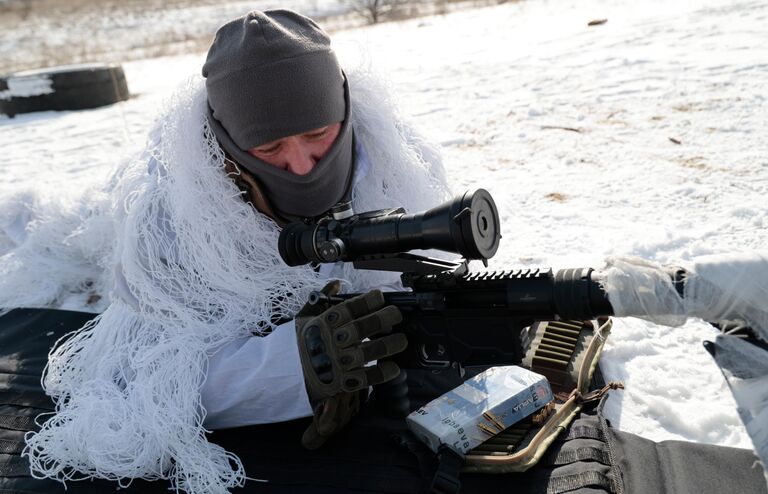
{"x":451,"y":316}
{"x":454,"y":318}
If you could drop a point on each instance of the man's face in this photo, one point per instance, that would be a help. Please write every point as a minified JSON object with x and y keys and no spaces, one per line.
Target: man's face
{"x":298,"y":153}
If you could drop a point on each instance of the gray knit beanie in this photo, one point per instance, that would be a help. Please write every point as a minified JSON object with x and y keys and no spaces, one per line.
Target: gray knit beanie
{"x":271,"y":75}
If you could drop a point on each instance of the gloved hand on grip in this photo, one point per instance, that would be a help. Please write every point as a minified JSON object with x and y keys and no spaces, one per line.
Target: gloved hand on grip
{"x":334,"y":356}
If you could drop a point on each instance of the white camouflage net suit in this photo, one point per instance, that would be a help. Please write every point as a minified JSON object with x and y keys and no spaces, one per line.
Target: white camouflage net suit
{"x":202,"y":268}
{"x":717,"y":288}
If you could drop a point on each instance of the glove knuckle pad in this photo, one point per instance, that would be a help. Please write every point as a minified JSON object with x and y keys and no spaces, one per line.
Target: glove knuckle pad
{"x":351,"y":359}
{"x":354,"y":381}
{"x":338,"y":315}
{"x":345,"y":336}
{"x":332,"y":316}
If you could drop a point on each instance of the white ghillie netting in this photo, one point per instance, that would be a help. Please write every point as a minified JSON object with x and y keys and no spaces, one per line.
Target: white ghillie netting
{"x":54,"y":251}
{"x":720,"y":288}
{"x":202,"y":269}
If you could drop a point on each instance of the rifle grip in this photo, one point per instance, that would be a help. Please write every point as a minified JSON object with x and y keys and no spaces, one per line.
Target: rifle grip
{"x":391,"y":398}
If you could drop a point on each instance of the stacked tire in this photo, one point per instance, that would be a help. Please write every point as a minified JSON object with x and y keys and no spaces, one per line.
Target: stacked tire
{"x":72,"y":87}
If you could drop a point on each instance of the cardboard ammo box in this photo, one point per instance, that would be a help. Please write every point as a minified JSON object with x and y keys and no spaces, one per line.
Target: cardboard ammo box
{"x":480,"y":408}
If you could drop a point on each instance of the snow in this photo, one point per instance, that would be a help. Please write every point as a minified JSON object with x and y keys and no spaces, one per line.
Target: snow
{"x":28,"y":85}
{"x":643,"y":136}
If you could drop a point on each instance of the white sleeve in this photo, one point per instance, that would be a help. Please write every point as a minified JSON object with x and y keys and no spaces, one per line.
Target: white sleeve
{"x":256,"y":380}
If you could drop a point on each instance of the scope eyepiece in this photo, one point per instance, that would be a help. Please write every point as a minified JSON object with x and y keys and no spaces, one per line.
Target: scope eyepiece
{"x":467,"y":225}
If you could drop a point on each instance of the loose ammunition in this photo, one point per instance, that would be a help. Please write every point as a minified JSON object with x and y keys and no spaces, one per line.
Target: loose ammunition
{"x":493,"y":418}
{"x":486,"y":428}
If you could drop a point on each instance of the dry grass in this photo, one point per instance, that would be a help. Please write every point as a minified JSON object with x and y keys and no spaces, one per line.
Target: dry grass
{"x":556,"y":197}
{"x":45,"y":33}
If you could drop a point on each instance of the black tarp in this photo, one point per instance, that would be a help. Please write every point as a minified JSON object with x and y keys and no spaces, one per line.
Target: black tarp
{"x":374,"y":453}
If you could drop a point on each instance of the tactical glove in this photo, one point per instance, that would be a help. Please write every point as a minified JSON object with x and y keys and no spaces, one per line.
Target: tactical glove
{"x":334,"y":356}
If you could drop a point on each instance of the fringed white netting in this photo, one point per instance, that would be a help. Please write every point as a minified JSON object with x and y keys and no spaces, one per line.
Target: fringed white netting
{"x":729,"y":288}
{"x":54,"y":250}
{"x":202,"y":268}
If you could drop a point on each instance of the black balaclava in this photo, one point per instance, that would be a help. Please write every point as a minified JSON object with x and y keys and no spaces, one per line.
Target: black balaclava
{"x":271,"y":75}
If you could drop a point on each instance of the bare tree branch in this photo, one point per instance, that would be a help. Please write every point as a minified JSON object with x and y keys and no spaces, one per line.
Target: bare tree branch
{"x":374,"y":11}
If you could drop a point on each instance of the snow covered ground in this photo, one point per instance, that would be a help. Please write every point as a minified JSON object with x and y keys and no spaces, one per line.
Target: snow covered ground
{"x":642,"y":136}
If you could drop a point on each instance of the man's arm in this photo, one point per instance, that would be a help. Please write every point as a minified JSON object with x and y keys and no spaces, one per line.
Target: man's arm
{"x":255,"y":380}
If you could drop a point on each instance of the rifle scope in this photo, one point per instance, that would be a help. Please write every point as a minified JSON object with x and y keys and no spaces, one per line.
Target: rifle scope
{"x":467,"y":225}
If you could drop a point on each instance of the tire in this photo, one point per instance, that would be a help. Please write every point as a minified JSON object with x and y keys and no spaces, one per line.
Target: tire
{"x":72,"y":87}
